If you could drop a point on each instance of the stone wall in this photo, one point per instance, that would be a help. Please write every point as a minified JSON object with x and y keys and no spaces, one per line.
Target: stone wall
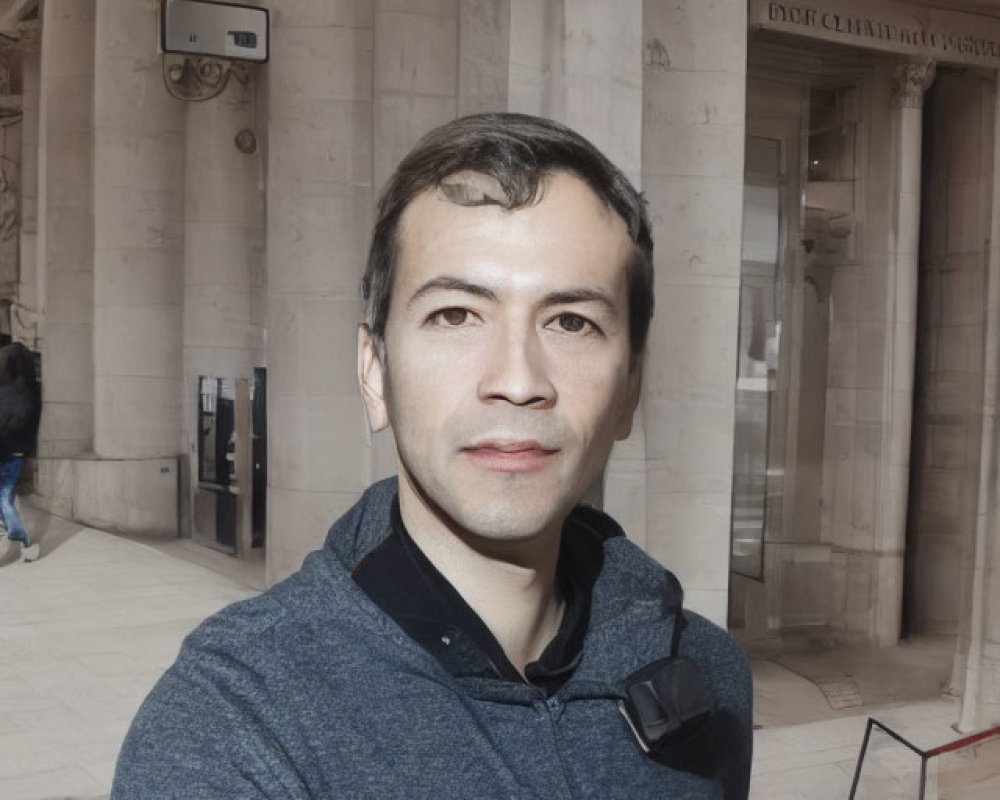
{"x":170,"y":254}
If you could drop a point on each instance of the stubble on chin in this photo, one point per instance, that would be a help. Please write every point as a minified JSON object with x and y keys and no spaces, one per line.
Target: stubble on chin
{"x":496,"y":507}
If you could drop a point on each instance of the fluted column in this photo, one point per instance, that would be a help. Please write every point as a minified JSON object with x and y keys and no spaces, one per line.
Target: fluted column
{"x":911,"y":80}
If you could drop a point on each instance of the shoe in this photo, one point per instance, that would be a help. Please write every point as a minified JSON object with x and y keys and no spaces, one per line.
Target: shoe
{"x":29,"y":554}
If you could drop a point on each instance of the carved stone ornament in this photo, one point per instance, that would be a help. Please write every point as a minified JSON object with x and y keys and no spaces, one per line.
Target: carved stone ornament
{"x":199,"y":77}
{"x":911,"y":80}
{"x":246,"y":141}
{"x":19,"y":23}
{"x":9,"y":217}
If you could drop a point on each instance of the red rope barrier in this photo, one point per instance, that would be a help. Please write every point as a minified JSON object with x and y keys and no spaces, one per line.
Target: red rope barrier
{"x":965,"y":741}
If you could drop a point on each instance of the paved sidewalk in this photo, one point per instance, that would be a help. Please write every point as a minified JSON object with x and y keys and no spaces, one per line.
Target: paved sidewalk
{"x":816,"y":760}
{"x":86,"y":631}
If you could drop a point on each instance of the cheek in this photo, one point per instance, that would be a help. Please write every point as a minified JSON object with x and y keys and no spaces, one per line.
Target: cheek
{"x":424,"y":368}
{"x":419,"y":395}
{"x":594,"y":387}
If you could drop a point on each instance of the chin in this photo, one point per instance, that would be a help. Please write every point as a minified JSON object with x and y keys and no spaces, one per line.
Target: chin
{"x":493,"y":530}
{"x":498,"y":507}
{"x":511,"y":518}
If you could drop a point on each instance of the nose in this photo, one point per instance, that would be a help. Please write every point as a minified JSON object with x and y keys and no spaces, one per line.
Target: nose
{"x":517,"y":372}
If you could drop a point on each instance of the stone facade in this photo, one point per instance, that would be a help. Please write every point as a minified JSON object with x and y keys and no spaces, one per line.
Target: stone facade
{"x":160,"y":240}
{"x":889,"y":288}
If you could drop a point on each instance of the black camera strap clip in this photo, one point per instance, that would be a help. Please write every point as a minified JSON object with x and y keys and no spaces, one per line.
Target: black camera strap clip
{"x":666,"y":701}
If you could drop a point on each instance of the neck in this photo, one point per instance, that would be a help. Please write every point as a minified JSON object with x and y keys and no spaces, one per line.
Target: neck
{"x":511,"y":585}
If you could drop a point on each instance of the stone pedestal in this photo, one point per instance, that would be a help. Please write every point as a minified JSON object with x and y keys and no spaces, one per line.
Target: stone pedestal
{"x":136,"y":496}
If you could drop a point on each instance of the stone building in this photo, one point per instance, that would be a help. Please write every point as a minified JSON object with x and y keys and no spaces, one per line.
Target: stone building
{"x":815,"y":454}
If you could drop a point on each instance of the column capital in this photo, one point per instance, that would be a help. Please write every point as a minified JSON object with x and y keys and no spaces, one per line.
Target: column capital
{"x":911,"y":80}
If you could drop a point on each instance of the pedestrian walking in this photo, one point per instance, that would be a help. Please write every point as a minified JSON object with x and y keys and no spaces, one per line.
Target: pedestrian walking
{"x":20,"y":411}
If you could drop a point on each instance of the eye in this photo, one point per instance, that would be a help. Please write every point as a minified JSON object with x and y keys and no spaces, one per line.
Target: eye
{"x":450,"y":317}
{"x":573,"y":323}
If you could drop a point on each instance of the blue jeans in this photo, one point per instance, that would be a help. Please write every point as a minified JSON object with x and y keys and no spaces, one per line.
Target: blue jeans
{"x":10,"y":471}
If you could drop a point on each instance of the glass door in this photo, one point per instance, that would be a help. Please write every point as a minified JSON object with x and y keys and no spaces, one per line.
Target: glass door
{"x":757,"y":362}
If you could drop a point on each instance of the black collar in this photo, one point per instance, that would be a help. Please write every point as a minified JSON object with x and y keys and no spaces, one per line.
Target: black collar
{"x":403,"y":582}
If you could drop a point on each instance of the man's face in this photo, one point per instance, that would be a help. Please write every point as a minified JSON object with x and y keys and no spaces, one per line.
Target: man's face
{"x":507,"y":375}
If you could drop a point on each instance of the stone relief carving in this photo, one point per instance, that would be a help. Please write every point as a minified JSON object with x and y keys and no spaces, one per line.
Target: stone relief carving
{"x":911,"y":80}
{"x":246,"y":141}
{"x":199,"y":77}
{"x":9,"y":219}
{"x":19,"y":21}
{"x":657,"y":56}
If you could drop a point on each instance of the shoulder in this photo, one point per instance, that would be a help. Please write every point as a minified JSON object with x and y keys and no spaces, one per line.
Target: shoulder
{"x":227,"y":717}
{"x":633,"y":579}
{"x":315,"y":606}
{"x":224,"y":718}
{"x":721,"y":659}
{"x":714,"y":641}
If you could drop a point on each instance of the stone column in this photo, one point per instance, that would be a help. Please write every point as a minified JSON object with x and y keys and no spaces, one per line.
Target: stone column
{"x":129,"y":481}
{"x":977,"y":663}
{"x":319,"y":201}
{"x":65,"y":286}
{"x":138,"y":238}
{"x":223,"y":220}
{"x":483,"y":55}
{"x":694,"y":81}
{"x":415,"y":86}
{"x":602,"y":99}
{"x":892,"y":479}
{"x":580,"y":62}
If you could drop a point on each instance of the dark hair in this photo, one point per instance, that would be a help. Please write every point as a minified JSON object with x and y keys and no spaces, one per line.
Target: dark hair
{"x":517,"y":151}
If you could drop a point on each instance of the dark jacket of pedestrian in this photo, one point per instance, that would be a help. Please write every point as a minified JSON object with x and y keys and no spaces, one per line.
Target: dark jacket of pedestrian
{"x":20,"y":401}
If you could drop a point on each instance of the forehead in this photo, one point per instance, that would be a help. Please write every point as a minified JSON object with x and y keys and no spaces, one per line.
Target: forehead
{"x":569,"y":234}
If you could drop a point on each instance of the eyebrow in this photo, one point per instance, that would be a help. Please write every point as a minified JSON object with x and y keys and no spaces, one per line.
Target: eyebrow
{"x":565,"y":297}
{"x":570,"y":296}
{"x":452,"y":284}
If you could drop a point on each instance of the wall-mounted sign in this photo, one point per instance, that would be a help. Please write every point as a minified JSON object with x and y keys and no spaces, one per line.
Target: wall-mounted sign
{"x":897,"y":27}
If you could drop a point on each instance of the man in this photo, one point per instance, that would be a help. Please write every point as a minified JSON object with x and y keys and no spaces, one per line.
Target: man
{"x":469,"y":631}
{"x":20,"y":413}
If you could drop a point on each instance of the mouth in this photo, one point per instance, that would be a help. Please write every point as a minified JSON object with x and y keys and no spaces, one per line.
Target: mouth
{"x":510,"y":456}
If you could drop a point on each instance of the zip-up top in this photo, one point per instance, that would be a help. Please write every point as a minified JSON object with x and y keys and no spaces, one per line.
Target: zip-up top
{"x":312,"y":691}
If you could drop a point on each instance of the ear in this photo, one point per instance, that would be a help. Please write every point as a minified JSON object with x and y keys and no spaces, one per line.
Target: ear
{"x":371,"y":377}
{"x":633,"y":390}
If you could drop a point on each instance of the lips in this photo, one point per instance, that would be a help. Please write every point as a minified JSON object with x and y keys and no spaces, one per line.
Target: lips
{"x":510,"y":456}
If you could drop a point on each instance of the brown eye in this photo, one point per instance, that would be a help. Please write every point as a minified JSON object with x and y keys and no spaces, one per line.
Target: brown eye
{"x":571,"y":323}
{"x":453,"y":316}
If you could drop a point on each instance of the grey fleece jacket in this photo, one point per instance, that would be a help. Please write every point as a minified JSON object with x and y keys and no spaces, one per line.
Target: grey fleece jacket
{"x":311,"y":691}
